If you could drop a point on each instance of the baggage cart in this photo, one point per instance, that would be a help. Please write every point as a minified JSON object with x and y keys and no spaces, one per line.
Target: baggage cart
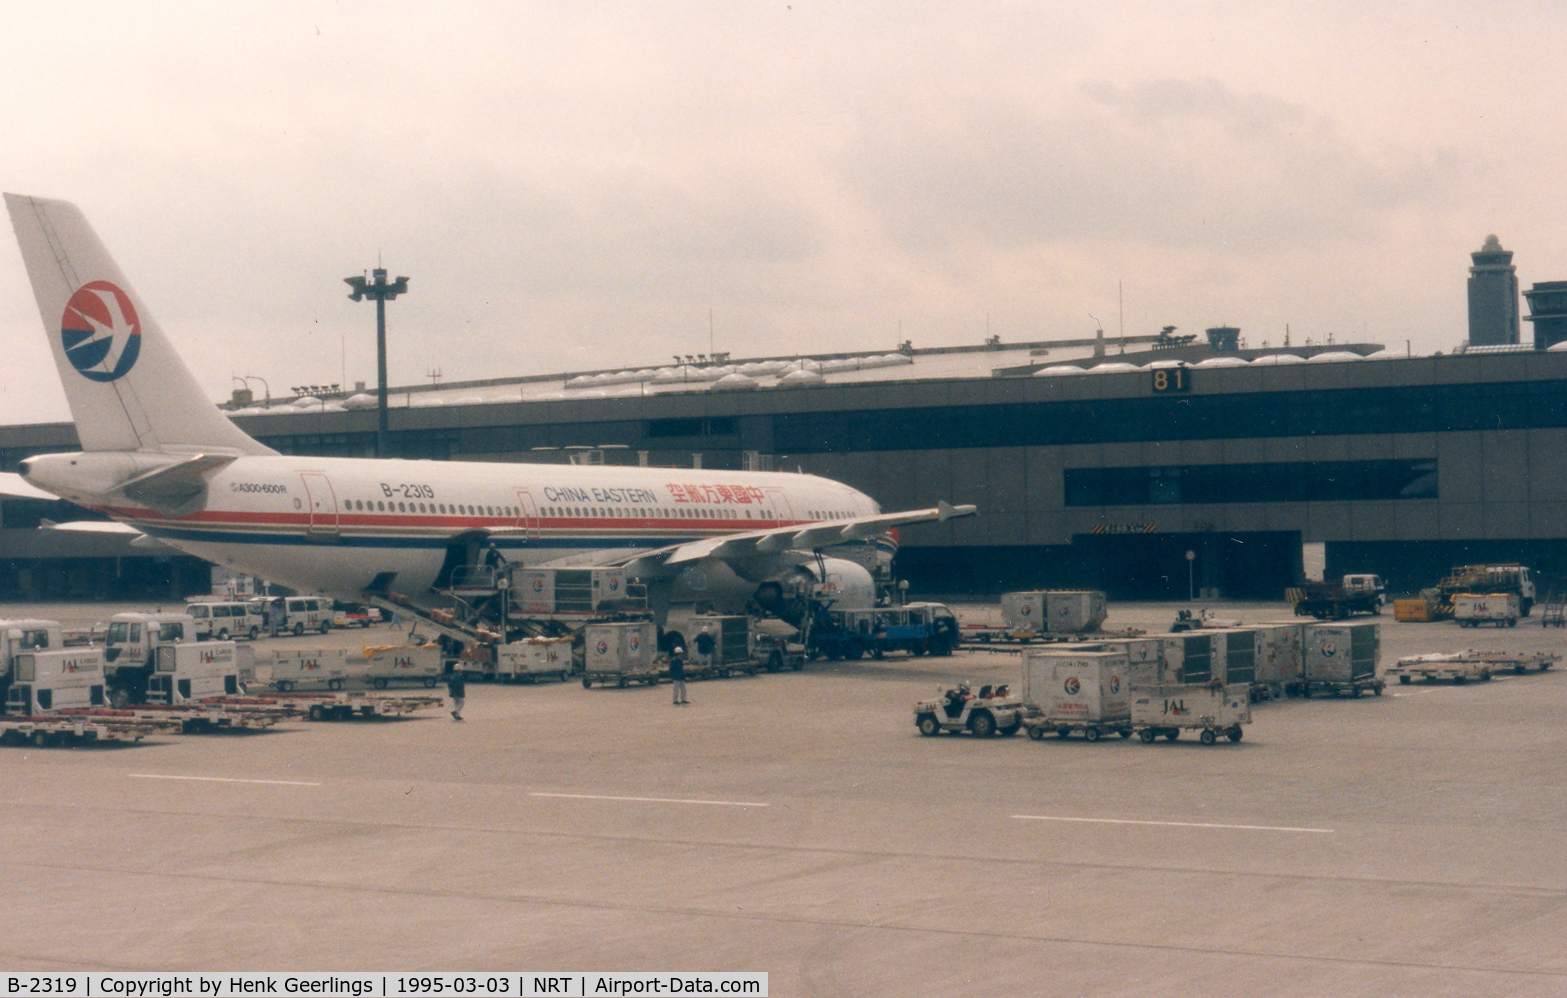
{"x":1085,"y":691}
{"x":310,"y":667}
{"x":403,"y":664}
{"x":1279,"y":665}
{"x":1212,"y":709}
{"x":1474,"y":609}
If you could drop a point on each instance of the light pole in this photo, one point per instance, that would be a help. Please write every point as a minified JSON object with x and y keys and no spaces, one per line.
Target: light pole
{"x":379,"y":291}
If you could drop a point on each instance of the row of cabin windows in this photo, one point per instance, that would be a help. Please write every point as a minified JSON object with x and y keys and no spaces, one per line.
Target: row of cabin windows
{"x":687,"y":513}
{"x":382,"y":506}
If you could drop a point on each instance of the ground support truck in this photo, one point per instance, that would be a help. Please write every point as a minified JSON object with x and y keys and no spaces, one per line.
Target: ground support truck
{"x":1474,"y":609}
{"x":914,"y":628}
{"x":958,"y":710}
{"x":401,"y":664}
{"x":1465,"y":666}
{"x":1338,"y":600}
{"x":622,"y":653}
{"x":1082,"y":691}
{"x":1342,"y":659}
{"x":1212,"y":709}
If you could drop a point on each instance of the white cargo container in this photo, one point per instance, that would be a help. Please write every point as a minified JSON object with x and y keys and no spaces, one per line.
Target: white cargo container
{"x":622,"y":652}
{"x":1211,"y":708}
{"x":1077,"y":690}
{"x":403,"y":664}
{"x":1237,"y":661}
{"x":1474,"y":609}
{"x":1342,"y":658}
{"x":567,"y":593}
{"x":62,"y":679}
{"x":1033,"y":613}
{"x":526,"y":660}
{"x":1186,"y":657}
{"x":297,"y":667}
{"x":1280,"y":658}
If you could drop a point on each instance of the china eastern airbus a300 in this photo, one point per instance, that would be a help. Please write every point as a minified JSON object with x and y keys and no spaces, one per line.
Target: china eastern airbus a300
{"x":158,"y":456}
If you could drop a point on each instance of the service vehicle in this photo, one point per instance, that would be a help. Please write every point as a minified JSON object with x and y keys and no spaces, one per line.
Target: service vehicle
{"x":720,"y":646}
{"x":129,"y":653}
{"x":989,"y":713}
{"x":775,"y":652}
{"x":1360,"y":593}
{"x":298,"y":614}
{"x":225,"y":619}
{"x":1482,"y":579}
{"x":343,"y":706}
{"x":914,"y":628}
{"x":1212,"y":709}
{"x":1474,"y":609}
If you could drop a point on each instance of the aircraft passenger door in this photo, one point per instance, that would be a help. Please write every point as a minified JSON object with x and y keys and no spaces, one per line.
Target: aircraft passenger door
{"x":779,"y":502}
{"x":529,"y":522}
{"x":322,"y":502}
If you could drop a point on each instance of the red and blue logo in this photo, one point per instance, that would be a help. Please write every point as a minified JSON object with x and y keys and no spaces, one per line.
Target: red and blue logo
{"x":101,"y":331}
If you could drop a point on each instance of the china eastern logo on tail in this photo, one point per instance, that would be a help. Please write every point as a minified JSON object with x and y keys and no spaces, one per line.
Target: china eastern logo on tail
{"x":101,"y":331}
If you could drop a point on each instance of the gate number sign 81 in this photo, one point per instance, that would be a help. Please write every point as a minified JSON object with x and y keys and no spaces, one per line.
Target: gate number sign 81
{"x":1171,"y":379}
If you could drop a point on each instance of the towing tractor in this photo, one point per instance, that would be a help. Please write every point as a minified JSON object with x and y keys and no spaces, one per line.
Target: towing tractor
{"x":991,"y":712}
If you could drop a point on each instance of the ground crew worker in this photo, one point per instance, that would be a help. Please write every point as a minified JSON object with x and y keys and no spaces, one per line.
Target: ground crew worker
{"x":677,"y":674}
{"x":456,"y":689}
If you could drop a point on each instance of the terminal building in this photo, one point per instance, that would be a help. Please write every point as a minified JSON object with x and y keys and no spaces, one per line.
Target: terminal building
{"x":1169,"y":471}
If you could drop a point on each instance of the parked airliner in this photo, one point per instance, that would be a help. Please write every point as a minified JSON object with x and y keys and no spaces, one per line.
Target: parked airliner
{"x":162,"y":459}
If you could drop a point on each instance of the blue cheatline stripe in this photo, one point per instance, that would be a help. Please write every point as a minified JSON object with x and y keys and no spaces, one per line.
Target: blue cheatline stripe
{"x":390,"y":541}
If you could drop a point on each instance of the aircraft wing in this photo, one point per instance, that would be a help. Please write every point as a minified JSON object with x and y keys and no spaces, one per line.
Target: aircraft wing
{"x":800,"y":537}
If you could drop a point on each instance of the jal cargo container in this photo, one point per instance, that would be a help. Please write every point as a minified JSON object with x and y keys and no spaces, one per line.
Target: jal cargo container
{"x":1474,"y":609}
{"x":297,"y":667}
{"x":569,"y":592}
{"x":1054,"y":612}
{"x":1077,"y":686}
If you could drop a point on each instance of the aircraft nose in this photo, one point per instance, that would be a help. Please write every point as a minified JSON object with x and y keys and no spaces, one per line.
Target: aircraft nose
{"x":25,"y":467}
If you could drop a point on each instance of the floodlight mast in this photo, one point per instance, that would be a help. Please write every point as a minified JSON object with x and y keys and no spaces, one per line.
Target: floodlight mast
{"x":379,"y":291}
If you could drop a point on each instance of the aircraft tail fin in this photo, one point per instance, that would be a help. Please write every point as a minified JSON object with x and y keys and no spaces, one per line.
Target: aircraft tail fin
{"x":127,"y":388}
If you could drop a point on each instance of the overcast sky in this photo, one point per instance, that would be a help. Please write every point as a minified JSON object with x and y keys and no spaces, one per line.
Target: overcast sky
{"x":579,"y":186}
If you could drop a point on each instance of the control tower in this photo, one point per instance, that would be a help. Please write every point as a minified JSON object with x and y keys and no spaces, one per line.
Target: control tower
{"x":1493,"y":296}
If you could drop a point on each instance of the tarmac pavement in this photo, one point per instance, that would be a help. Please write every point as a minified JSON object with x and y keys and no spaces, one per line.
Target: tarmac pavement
{"x":797,"y":824}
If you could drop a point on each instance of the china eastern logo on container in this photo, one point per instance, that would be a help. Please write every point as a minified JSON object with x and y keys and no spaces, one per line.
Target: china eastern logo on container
{"x":101,"y":331}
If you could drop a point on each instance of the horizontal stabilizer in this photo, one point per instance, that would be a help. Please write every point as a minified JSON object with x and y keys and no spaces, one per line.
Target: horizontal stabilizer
{"x":176,"y":488}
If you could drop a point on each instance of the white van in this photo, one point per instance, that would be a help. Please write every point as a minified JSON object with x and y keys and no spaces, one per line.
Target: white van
{"x":300,"y":613}
{"x":223,"y":619}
